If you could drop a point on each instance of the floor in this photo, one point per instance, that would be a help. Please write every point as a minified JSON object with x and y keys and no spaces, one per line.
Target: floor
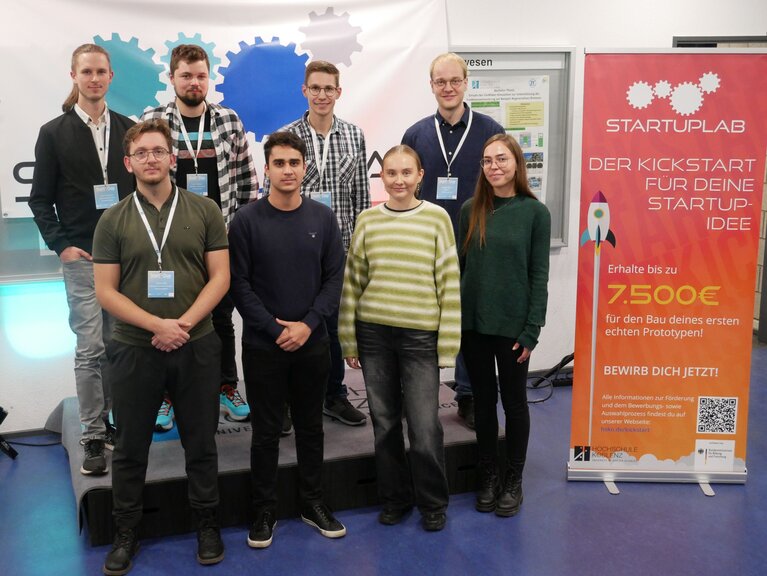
{"x":572,"y":528}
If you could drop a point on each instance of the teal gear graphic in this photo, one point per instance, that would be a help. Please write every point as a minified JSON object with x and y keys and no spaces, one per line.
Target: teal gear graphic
{"x":331,"y":37}
{"x":137,"y":77}
{"x":197,"y":40}
{"x":263,"y":84}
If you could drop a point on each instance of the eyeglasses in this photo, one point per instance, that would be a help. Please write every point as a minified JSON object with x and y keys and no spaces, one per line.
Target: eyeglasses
{"x":315,"y":90}
{"x":441,"y":82}
{"x":143,"y":155}
{"x":501,"y":162}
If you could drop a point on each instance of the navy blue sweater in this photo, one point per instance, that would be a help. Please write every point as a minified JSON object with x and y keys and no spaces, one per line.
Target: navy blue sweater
{"x":286,"y":265}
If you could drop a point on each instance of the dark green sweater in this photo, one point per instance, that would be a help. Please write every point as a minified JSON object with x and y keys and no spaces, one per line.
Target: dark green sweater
{"x":503,"y":284}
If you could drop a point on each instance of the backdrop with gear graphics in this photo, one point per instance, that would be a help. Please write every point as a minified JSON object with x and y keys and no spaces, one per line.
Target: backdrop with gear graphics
{"x":258,"y":52}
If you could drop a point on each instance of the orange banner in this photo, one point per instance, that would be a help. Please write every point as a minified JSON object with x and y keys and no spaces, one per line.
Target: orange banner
{"x":672,"y":177}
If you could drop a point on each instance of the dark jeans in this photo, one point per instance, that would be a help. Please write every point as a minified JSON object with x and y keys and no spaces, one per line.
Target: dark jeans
{"x":273,"y":377}
{"x":141,"y":375}
{"x":222,"y":323}
{"x":481,"y":352}
{"x":335,"y":388}
{"x":401,"y":364}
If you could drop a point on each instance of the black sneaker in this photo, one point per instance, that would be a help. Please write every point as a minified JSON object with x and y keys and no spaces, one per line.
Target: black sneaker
{"x":390,"y":516}
{"x":124,"y":548}
{"x":323,"y":520}
{"x":210,"y":547}
{"x":287,"y":422}
{"x":262,"y":529}
{"x":94,"y":462}
{"x":434,"y":521}
{"x":342,"y":410}
{"x":110,"y":436}
{"x":466,"y":410}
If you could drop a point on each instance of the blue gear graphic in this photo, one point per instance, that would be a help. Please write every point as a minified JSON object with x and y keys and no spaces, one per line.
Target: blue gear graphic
{"x":262,"y":82}
{"x":330,"y":37}
{"x":137,"y":77}
{"x":197,"y":40}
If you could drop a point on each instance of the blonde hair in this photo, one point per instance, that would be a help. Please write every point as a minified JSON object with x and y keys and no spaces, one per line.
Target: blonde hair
{"x":74,"y":94}
{"x":449,"y":57}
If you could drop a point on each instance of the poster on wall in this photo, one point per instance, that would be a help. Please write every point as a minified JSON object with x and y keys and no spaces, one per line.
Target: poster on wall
{"x":258,"y":53}
{"x":521,"y":106}
{"x":673,"y":169}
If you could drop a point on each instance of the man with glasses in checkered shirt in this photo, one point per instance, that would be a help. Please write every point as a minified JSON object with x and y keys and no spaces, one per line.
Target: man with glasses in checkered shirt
{"x":337,"y":176}
{"x":213,"y":160}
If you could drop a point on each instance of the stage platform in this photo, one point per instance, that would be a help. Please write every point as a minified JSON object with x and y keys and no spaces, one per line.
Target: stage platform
{"x":349,"y":477}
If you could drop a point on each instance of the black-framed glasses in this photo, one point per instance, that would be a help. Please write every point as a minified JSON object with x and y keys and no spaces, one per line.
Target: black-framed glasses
{"x":315,"y":90}
{"x":143,"y":155}
{"x":441,"y":82}
{"x":500,"y":161}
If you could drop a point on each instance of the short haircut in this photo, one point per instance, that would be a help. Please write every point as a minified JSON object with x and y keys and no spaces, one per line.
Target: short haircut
{"x":449,"y":57}
{"x":158,"y":125}
{"x":321,"y":66}
{"x":188,"y":53}
{"x":287,"y":139}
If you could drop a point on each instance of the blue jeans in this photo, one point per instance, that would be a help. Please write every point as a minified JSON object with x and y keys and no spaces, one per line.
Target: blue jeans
{"x":335,"y":388}
{"x":462,"y":384}
{"x":400,"y":364}
{"x":93,"y":328}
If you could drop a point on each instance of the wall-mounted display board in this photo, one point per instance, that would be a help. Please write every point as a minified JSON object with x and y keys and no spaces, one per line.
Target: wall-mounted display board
{"x":529,"y":91}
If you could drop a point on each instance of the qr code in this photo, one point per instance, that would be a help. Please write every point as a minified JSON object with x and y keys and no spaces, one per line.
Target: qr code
{"x":717,"y":414}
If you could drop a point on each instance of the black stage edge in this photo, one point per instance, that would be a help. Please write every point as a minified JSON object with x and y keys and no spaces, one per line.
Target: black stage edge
{"x":347,"y":483}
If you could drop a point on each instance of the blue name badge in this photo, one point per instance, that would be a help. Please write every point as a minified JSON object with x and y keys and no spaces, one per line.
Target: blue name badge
{"x":323,"y":198}
{"x":197,"y":183}
{"x":160,"y":284}
{"x":106,"y":195}
{"x":447,"y":188}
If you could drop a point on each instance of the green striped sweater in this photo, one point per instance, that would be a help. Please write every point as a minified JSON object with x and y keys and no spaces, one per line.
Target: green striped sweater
{"x":402,"y":270}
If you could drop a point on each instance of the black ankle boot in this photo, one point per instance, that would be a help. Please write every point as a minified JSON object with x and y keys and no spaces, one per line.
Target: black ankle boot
{"x":488,"y":485}
{"x":510,"y":498}
{"x":210,"y":547}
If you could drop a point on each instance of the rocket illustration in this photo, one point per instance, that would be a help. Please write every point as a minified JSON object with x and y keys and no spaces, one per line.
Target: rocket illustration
{"x":597,"y":231}
{"x":598,"y":222}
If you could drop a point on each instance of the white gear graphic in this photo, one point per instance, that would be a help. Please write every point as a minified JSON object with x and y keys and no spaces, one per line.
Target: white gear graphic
{"x":662,"y":89}
{"x":709,"y":82}
{"x":686,"y":98}
{"x":330,"y":37}
{"x":639,"y":94}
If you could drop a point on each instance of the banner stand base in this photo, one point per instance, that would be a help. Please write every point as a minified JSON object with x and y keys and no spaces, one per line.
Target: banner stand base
{"x":610,"y":477}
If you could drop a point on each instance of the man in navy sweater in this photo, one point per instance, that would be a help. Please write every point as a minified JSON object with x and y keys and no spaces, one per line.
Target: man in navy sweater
{"x":287,"y":271}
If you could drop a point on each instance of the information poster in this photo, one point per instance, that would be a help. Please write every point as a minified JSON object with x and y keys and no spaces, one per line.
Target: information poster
{"x":672,"y":181}
{"x":521,"y":106}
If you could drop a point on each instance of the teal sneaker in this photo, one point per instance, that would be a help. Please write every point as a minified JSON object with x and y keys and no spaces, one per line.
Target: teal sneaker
{"x":164,"y":420}
{"x":232,"y":404}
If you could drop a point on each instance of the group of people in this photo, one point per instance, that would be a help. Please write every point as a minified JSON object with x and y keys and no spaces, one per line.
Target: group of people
{"x":451,"y":270}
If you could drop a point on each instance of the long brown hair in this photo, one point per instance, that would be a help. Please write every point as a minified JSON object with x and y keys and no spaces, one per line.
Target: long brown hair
{"x":74,"y":94}
{"x":483,"y":193}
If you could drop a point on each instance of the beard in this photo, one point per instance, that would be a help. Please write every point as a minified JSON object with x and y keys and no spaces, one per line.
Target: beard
{"x":191,"y":99}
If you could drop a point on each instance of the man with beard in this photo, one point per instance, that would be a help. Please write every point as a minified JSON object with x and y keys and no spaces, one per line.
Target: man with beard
{"x":213,"y":160}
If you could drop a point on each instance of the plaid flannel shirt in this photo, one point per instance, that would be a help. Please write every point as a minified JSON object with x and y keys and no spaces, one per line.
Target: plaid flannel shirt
{"x":237,"y":178}
{"x":345,"y":175}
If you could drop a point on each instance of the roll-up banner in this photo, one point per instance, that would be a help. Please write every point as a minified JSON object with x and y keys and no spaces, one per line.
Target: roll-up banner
{"x":673,"y":173}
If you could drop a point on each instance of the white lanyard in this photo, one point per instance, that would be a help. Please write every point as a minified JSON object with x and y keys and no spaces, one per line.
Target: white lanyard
{"x":316,"y":144}
{"x":157,"y":249}
{"x":458,"y":148}
{"x":200,"y":130}
{"x":105,"y":158}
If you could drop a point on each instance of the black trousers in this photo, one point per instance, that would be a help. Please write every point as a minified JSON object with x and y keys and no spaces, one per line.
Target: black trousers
{"x":222,"y":323}
{"x":481,"y":353}
{"x":191,"y":377}
{"x":273,"y":377}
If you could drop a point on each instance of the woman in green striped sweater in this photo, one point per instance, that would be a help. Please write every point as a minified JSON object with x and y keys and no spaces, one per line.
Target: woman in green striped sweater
{"x":504,"y":239}
{"x":400,"y":320}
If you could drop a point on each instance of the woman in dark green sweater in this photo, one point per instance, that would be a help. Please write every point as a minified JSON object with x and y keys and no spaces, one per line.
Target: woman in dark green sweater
{"x":504,"y":240}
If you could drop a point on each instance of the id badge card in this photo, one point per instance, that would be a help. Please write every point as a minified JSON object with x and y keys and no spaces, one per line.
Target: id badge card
{"x":160,"y":284}
{"x":106,"y":195}
{"x":197,"y":183}
{"x":322,"y":197}
{"x":447,"y":188}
